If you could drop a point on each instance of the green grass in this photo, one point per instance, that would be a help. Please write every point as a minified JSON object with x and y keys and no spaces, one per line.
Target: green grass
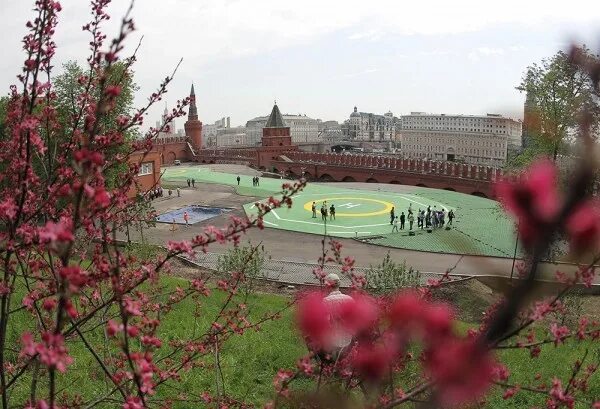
{"x":250,"y":361}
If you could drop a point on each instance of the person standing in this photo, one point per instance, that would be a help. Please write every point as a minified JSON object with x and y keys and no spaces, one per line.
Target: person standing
{"x":341,"y":338}
{"x":392,"y":215}
{"x":178,"y":192}
{"x":238,"y":180}
{"x":411,"y":220}
{"x":450,"y":217}
{"x":332,"y":212}
{"x":395,"y":225}
{"x":314,"y":210}
{"x":189,"y":182}
{"x":323,"y":212}
{"x":257,"y":181}
{"x":402,"y":220}
{"x":186,"y":218}
{"x":193,"y":182}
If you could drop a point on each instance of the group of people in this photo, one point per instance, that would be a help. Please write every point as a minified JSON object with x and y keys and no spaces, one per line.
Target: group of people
{"x":191,"y":182}
{"x":432,"y":218}
{"x":158,"y":192}
{"x":324,"y":211}
{"x":255,"y":181}
{"x":155,"y":193}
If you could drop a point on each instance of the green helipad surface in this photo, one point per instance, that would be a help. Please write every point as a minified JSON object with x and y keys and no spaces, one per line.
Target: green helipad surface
{"x":480,"y":226}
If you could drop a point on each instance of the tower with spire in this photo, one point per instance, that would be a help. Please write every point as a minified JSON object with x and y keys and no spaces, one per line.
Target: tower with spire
{"x":193,"y":127}
{"x":276,"y":132}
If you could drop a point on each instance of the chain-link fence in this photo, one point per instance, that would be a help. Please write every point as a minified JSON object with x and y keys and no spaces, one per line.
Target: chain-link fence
{"x":294,"y":272}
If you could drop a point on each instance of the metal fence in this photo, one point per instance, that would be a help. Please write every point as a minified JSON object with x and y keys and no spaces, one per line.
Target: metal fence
{"x":294,"y":272}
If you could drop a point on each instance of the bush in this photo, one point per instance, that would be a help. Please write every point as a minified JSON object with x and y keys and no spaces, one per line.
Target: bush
{"x":247,"y":261}
{"x":389,"y":276}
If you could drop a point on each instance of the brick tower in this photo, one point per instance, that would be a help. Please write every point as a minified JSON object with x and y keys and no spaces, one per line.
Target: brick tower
{"x":193,"y":127}
{"x":276,"y":132}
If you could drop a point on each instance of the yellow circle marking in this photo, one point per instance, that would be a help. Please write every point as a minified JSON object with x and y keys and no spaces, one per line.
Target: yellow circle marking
{"x":387,"y":209}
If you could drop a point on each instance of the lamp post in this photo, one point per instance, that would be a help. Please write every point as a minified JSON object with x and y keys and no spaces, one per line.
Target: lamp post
{"x":515,"y":253}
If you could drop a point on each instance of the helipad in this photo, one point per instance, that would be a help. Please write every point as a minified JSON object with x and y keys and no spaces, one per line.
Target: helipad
{"x":480,"y":227}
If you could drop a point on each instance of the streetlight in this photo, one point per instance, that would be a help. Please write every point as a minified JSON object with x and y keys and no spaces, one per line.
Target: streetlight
{"x":515,"y":253}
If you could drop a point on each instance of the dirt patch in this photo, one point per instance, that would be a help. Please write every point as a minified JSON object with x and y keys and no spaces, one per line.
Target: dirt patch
{"x":470,"y":298}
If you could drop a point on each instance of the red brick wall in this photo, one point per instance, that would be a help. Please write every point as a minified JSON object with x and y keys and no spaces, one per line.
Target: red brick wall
{"x":146,"y":182}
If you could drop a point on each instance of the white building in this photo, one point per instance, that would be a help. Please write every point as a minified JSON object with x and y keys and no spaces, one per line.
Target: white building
{"x":466,"y":138}
{"x":302,"y":129}
{"x":365,"y":126}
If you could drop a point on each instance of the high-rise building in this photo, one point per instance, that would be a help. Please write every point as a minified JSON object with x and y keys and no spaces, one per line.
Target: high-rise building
{"x":466,"y":138}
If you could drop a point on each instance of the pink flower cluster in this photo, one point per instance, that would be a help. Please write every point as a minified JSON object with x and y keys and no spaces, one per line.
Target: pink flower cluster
{"x":382,"y":330}
{"x":537,"y":204}
{"x":52,"y":351}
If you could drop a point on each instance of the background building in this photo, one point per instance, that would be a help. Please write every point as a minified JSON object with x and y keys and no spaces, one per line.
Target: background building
{"x":302,"y":129}
{"x":464,"y":138}
{"x":365,"y":126}
{"x":329,"y":131}
{"x":220,"y":134}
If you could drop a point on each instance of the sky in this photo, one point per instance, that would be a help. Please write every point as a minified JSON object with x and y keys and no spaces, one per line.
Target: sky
{"x":323,"y":57}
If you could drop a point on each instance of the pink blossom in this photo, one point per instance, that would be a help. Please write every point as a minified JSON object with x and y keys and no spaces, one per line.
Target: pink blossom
{"x":305,"y":365}
{"x":8,"y":208}
{"x":180,"y":246}
{"x":49,"y":304}
{"x":112,"y":328}
{"x":540,"y":310}
{"x":146,"y":369}
{"x":132,"y":307}
{"x":57,"y":232}
{"x":533,"y":199}
{"x":509,"y":393}
{"x":113,"y":91}
{"x":133,"y":331}
{"x":101,"y":197}
{"x":437,"y":320}
{"x":313,"y":319}
{"x":359,"y":314}
{"x":558,"y":396}
{"x":133,"y":402}
{"x":583,"y":226}
{"x":75,"y":277}
{"x":559,"y":333}
{"x":373,"y":361}
{"x":501,"y":372}
{"x":406,"y":310}
{"x":150,"y":341}
{"x":280,"y":379}
{"x":462,"y":370}
{"x":52,"y":350}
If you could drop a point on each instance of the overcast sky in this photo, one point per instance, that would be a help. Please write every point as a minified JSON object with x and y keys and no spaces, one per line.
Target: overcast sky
{"x":323,"y":57}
